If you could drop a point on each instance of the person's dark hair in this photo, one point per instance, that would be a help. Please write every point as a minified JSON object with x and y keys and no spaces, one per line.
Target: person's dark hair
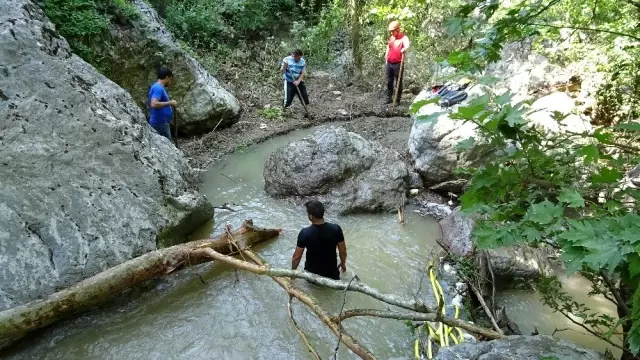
{"x":164,"y":73}
{"x":297,"y":52}
{"x":315,"y":209}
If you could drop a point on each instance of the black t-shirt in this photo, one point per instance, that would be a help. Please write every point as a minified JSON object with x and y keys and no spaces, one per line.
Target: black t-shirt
{"x":320,"y":242}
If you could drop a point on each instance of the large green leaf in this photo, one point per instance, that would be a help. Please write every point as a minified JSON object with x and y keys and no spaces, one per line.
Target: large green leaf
{"x":572,"y":198}
{"x":631,"y":126}
{"x":634,"y":264}
{"x":415,"y":107}
{"x":544,"y":213}
{"x":430,"y":118}
{"x":606,"y":176}
{"x":590,"y":152}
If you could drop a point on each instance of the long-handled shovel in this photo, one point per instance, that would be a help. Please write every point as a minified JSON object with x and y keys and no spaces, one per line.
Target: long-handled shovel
{"x":300,"y":95}
{"x":175,"y":127}
{"x":395,"y":93}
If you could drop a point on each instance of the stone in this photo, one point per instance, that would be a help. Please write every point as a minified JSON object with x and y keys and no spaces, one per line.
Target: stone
{"x":85,"y":183}
{"x":143,"y":46}
{"x":520,"y":348}
{"x":342,"y":169}
{"x":432,"y":145}
{"x":516,"y":263}
{"x":434,"y":210}
{"x":456,"y":233}
{"x":543,"y":110}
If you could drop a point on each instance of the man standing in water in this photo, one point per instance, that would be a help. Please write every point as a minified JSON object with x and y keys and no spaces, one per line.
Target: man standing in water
{"x":320,"y":239}
{"x":293,"y":71}
{"x":397,"y":45}
{"x":161,"y":108}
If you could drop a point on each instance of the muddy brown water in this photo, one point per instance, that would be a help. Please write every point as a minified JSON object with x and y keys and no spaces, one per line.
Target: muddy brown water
{"x":212,"y":311}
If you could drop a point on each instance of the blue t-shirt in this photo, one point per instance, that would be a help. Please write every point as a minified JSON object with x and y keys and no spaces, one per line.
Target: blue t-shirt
{"x":294,"y":68}
{"x":162,"y":115}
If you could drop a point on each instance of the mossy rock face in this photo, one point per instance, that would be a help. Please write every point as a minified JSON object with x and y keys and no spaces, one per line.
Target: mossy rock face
{"x":135,"y":51}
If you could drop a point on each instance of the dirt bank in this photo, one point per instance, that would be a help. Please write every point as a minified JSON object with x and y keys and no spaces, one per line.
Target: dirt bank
{"x":362,"y":110}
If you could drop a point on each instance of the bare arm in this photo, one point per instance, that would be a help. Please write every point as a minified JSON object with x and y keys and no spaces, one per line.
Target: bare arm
{"x":342,"y":251}
{"x":297,"y":256}
{"x":405,"y":44}
{"x":284,"y":67}
{"x":156,"y":104}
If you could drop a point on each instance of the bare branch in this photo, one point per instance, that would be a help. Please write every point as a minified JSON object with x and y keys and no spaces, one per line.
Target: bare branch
{"x":490,"y":334}
{"x":391,"y":299}
{"x":590,"y":331}
{"x":301,"y":333}
{"x":346,"y":339}
{"x":344,"y":301}
{"x":585,"y":29}
{"x":619,"y":301}
{"x":276,"y":274}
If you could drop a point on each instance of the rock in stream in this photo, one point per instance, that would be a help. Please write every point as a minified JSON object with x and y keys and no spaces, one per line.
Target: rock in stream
{"x":342,"y":169}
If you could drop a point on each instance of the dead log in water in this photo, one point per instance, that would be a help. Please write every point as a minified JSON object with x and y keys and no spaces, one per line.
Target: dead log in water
{"x":20,"y":320}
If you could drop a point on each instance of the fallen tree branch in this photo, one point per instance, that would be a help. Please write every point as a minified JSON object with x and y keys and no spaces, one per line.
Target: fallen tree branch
{"x":413,"y":305}
{"x":474,"y":329}
{"x":346,"y":339}
{"x":20,"y":320}
{"x":313,"y":352}
{"x":341,"y":285}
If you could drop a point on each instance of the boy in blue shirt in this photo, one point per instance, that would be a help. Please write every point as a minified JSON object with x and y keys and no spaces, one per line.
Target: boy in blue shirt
{"x":293,"y":71}
{"x":160,"y":107}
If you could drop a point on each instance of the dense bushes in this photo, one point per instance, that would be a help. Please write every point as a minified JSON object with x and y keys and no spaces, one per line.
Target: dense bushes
{"x":204,"y":24}
{"x":85,"y":23}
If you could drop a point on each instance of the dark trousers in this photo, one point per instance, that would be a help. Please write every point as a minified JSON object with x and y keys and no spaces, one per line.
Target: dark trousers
{"x":290,"y":91}
{"x":393,"y":71}
{"x":163,"y":129}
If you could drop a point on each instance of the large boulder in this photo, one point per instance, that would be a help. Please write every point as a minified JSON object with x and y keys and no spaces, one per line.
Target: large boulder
{"x":523,"y":71}
{"x":521,"y":348}
{"x":432,"y":144}
{"x":342,"y":169}
{"x":510,"y":265}
{"x":84,"y":183}
{"x":544,"y":109}
{"x":141,"y":47}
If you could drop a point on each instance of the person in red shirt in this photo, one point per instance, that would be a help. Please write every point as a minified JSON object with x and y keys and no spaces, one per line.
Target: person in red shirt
{"x":397,"y":46}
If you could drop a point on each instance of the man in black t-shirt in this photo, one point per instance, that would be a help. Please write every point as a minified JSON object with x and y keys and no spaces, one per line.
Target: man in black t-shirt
{"x":320,"y":239}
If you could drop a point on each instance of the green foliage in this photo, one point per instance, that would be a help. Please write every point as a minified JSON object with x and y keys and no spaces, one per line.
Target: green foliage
{"x":543,"y":189}
{"x":272,"y":113}
{"x":85,"y":23}
{"x":206,"y":24}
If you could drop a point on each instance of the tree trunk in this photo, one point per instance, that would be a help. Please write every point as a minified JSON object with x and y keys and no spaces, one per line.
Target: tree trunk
{"x":20,"y":320}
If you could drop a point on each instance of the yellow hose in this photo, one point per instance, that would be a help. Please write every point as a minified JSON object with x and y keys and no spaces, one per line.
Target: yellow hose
{"x":442,"y":332}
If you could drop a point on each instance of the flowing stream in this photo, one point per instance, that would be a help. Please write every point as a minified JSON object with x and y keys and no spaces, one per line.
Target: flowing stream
{"x":214,"y":312}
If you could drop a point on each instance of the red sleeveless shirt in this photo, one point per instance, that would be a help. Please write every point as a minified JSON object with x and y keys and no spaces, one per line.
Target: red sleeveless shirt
{"x":395,"y":46}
